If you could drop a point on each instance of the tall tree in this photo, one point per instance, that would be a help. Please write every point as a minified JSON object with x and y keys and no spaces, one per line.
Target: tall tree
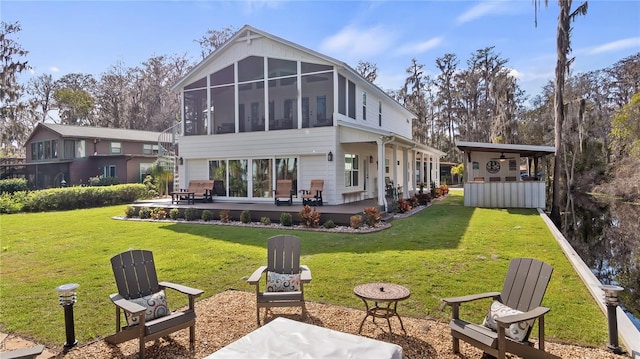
{"x":11,"y":106}
{"x":447,"y":101}
{"x":368,"y":70}
{"x":413,"y":97}
{"x":41,"y":90}
{"x":74,"y":96}
{"x":563,"y":48}
{"x":214,"y":39}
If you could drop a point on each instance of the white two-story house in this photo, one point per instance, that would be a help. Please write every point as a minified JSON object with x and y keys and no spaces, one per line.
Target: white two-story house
{"x":261,"y":108}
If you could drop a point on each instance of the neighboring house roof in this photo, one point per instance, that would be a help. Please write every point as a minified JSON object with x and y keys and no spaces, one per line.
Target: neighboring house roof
{"x":247,"y":30}
{"x":523,"y":150}
{"x":105,"y":133}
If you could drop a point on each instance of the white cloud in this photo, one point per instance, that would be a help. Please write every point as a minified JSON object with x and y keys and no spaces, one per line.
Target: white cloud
{"x":616,"y":45}
{"x":478,"y":11}
{"x":418,"y":48}
{"x":251,"y":6}
{"x":54,"y":69}
{"x":358,"y":43}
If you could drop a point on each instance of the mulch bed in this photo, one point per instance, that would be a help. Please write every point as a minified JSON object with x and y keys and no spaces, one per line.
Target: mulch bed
{"x":227,"y":316}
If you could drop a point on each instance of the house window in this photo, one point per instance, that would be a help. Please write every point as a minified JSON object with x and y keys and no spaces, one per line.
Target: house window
{"x":238,"y":181}
{"x":350,"y":170}
{"x":34,"y":151}
{"x":321,"y":110}
{"x":386,"y":165}
{"x":54,"y":148}
{"x":364,"y":105}
{"x":351,"y":97}
{"x":262,"y":178}
{"x":287,"y":168}
{"x":40,"y":150}
{"x":380,"y":113}
{"x":69,"y":149}
{"x":149,"y":149}
{"x":47,"y":150}
{"x":81,"y":149}
{"x":342,"y":95}
{"x":116,"y":148}
{"x":109,"y":171}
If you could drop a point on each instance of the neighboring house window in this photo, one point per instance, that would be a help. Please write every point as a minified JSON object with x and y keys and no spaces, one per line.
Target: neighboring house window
{"x":109,"y":171}
{"x":72,"y":149}
{"x":351,"y":97}
{"x":350,"y":170}
{"x":380,"y":113}
{"x":47,"y":150}
{"x":34,"y":151}
{"x":40,"y":151}
{"x":116,"y":148}
{"x":145,"y":170}
{"x":149,"y":149}
{"x":364,"y":105}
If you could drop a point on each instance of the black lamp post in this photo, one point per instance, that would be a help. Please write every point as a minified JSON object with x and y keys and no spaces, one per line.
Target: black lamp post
{"x":612,"y":302}
{"x":67,"y":297}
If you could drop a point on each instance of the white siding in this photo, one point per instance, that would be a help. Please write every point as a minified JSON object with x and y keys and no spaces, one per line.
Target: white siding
{"x":317,"y":167}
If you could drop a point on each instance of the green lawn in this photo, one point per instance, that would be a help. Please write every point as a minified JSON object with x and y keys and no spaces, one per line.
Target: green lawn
{"x":446,"y":250}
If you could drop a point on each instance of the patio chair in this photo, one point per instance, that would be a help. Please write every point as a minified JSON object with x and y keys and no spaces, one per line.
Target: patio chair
{"x":510,"y":318}
{"x":285,"y":276}
{"x":219,"y":189}
{"x":313,"y":195}
{"x":283,"y":192}
{"x":143,"y":300}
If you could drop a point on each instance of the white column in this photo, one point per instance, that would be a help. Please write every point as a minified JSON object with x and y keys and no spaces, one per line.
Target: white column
{"x":382,"y":201}
{"x":405,"y":172}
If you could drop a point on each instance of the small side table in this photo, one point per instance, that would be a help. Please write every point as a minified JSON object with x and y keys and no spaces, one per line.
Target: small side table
{"x":176,"y":197}
{"x":381,"y":293}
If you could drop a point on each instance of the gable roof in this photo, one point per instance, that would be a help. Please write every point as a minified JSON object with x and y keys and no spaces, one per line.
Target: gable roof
{"x":250,"y":32}
{"x":120,"y":134}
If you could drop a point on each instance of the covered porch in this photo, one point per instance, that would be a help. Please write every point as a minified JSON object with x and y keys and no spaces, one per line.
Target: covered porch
{"x":492,"y":176}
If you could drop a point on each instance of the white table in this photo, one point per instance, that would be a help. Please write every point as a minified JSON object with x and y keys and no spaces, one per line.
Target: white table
{"x":286,"y":338}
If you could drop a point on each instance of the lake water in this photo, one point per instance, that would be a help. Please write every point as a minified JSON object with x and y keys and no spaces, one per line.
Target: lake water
{"x":606,"y":235}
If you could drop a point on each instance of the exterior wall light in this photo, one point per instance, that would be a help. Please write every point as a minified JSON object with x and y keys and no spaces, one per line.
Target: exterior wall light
{"x":181,"y":161}
{"x":330,"y":156}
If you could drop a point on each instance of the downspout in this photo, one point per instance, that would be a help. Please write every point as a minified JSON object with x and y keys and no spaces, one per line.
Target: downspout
{"x":382,"y":142}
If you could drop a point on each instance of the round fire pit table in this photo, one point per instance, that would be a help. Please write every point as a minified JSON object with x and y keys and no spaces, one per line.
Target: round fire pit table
{"x":385,"y":297}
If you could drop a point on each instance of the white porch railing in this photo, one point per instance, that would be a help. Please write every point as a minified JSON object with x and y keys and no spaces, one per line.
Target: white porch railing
{"x":525,"y":194}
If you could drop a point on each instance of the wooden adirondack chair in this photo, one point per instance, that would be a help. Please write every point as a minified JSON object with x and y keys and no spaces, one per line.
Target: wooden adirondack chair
{"x":524,"y":286}
{"x":283,"y":272}
{"x":283,"y":192}
{"x":136,"y":278}
{"x":313,"y":195}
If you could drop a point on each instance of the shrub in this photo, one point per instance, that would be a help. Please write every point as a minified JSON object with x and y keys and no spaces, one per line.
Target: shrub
{"x":10,"y":203}
{"x":144,"y":213}
{"x":245,"y":216}
{"x":285,"y":219}
{"x":159,"y":213}
{"x":413,"y":202}
{"x":423,"y":199}
{"x":174,"y":213}
{"x":190,"y":214}
{"x":265,"y":220}
{"x":329,"y":224}
{"x":403,"y":206}
{"x":130,"y":211}
{"x":372,"y":216}
{"x":12,"y":185}
{"x":355,"y":221}
{"x":224,"y":215}
{"x":207,"y":215}
{"x":309,"y":217}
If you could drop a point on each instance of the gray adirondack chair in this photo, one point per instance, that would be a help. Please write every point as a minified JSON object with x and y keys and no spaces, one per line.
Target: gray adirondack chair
{"x":283,"y":256}
{"x":136,"y":277}
{"x":524,"y":287}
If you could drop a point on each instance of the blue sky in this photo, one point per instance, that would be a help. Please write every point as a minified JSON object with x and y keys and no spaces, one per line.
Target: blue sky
{"x":90,"y":36}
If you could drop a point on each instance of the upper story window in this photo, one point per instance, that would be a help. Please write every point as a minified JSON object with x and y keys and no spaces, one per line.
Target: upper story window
{"x":149,"y":149}
{"x":279,"y":68}
{"x":74,"y":149}
{"x":222,"y":77}
{"x":342,"y":95}
{"x":202,"y":83}
{"x":251,"y":69}
{"x":115,"y":148}
{"x":380,"y":113}
{"x":350,"y":170}
{"x":364,"y":105}
{"x":351,"y":96}
{"x":44,"y":150}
